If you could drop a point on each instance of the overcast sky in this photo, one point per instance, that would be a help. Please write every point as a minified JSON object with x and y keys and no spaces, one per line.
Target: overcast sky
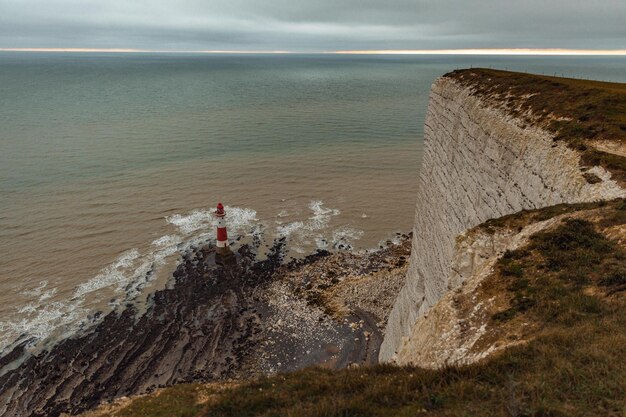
{"x":312,"y":25}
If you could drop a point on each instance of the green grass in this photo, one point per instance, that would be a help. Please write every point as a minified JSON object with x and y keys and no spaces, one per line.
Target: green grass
{"x":618,"y":217}
{"x":574,"y":366}
{"x":547,"y":278}
{"x":572,"y":371}
{"x":576,"y":111}
{"x":522,"y":218}
{"x":177,"y":401}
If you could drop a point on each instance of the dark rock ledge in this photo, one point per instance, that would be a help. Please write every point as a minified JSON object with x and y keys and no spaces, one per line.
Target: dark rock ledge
{"x":214,"y":323}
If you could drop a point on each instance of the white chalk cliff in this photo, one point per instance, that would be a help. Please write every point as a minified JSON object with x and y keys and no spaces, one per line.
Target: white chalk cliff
{"x":479,"y":163}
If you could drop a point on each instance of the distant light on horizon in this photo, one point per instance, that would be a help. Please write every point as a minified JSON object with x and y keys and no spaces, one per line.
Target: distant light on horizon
{"x":515,"y":51}
{"x":485,"y":51}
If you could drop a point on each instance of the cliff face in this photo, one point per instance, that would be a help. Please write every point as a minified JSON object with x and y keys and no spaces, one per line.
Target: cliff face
{"x":479,"y":163}
{"x":458,"y":328}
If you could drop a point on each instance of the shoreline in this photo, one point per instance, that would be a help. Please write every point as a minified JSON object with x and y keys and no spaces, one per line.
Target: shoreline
{"x":215,"y":324}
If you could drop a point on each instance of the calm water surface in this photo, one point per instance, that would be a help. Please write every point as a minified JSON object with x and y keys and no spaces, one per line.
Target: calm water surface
{"x":109,"y":164}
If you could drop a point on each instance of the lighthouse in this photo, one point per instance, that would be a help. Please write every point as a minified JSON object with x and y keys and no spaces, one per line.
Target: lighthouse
{"x":222,"y":235}
{"x":223,"y":255}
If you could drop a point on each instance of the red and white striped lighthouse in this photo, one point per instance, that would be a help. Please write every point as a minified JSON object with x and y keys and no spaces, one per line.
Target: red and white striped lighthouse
{"x":222,"y":235}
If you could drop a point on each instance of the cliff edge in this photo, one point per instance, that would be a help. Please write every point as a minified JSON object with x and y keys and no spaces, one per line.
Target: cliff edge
{"x":497,"y":143}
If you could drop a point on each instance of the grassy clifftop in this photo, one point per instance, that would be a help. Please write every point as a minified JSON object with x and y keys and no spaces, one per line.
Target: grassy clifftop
{"x":589,"y":115}
{"x":568,"y":282}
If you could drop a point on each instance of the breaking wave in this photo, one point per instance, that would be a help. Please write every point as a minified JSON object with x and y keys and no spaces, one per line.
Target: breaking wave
{"x":40,"y":316}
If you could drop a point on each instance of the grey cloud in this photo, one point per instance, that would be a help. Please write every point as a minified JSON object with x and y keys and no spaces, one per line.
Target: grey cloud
{"x":313,"y":25}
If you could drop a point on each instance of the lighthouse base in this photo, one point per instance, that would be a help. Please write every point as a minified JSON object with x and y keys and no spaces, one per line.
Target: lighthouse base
{"x":224,"y":256}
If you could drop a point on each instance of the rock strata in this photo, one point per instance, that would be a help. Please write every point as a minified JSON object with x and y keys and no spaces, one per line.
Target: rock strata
{"x":213,"y":323}
{"x":197,"y":330}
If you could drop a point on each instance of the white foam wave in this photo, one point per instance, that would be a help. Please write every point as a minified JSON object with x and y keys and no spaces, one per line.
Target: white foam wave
{"x":321,"y":216}
{"x":321,"y":242}
{"x":35,"y":292}
{"x":197,"y":220}
{"x":344,"y":237}
{"x":396,"y":239}
{"x":290,"y":228}
{"x":125,"y":277}
{"x":318,"y":221}
{"x":238,"y":218}
{"x":27,"y":309}
{"x":317,"y":229}
{"x":116,"y":273}
{"x":40,"y":321}
{"x":167,"y":240}
{"x":38,"y":292}
{"x":47,"y":295}
{"x":41,"y":315}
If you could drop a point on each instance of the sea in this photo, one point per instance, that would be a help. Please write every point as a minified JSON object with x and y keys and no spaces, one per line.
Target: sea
{"x":111,"y":164}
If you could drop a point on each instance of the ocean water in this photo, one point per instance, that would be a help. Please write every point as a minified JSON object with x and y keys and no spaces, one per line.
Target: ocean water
{"x":110,"y":164}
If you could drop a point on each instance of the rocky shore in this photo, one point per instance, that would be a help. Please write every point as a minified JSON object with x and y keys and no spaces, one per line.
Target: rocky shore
{"x":216,"y":323}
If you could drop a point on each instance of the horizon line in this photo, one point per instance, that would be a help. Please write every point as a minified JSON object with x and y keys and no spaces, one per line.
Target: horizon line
{"x":476,"y":51}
